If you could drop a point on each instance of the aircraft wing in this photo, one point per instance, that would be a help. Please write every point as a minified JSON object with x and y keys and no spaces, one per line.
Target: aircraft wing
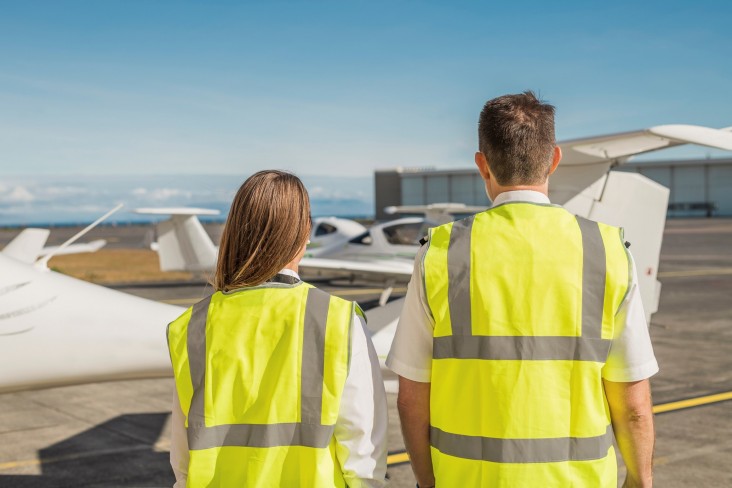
{"x":92,"y":246}
{"x":586,"y":160}
{"x":394,"y":271}
{"x":440,"y":213}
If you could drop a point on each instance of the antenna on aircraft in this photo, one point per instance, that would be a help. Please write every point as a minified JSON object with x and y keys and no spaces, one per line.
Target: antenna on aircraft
{"x":43,"y":262}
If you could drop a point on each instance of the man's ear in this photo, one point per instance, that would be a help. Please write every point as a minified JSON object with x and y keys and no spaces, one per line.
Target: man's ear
{"x":482,"y":163}
{"x":555,"y":159}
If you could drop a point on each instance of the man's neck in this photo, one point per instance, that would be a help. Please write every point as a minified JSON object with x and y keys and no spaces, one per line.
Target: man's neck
{"x":544,"y":189}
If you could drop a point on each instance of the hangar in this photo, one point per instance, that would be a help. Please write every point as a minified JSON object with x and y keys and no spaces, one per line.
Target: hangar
{"x":698,"y":187}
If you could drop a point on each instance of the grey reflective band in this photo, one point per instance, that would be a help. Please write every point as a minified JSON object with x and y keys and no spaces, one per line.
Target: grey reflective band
{"x":261,"y":435}
{"x":593,"y":278}
{"x":309,"y":432}
{"x":196,"y":343}
{"x":497,"y":450}
{"x":462,"y":344}
{"x":526,"y":348}
{"x":458,"y":277}
{"x":313,"y":356}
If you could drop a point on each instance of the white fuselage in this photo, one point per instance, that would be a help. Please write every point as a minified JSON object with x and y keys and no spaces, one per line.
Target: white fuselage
{"x":57,"y":330}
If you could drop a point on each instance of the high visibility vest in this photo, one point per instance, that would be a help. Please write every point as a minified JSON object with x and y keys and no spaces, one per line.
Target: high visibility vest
{"x":524,"y":298}
{"x":260,"y":374}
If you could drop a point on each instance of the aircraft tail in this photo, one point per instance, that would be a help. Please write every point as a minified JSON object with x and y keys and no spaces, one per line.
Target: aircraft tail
{"x":639,"y":205}
{"x":27,"y":246}
{"x":183,"y":244}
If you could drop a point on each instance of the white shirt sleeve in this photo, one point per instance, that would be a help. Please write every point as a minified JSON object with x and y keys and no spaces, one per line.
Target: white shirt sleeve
{"x":178,"y":444}
{"x":411,"y":352}
{"x":361,"y":428}
{"x":631,"y":355}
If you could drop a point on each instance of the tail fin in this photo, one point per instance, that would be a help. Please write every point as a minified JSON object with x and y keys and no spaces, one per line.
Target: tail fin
{"x":183,"y":244}
{"x":27,"y":246}
{"x":638,"y":204}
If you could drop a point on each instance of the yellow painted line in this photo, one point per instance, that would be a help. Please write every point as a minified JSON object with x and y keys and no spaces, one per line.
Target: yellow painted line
{"x":393,"y":459}
{"x":70,"y":457}
{"x":692,"y":402}
{"x":397,"y":458}
{"x":696,"y":272}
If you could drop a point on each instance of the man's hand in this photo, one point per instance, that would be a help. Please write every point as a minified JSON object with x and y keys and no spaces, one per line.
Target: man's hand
{"x":631,"y":412}
{"x":414,"y":411}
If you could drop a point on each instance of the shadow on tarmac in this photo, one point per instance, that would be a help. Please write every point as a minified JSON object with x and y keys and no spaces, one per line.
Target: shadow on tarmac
{"x":116,"y":453}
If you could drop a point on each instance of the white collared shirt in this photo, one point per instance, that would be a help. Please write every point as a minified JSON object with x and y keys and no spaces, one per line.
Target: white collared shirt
{"x":630,"y":358}
{"x":361,"y":428}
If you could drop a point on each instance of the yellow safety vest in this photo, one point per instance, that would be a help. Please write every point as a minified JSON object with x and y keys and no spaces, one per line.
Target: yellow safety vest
{"x":260,"y":374}
{"x":524,"y":298}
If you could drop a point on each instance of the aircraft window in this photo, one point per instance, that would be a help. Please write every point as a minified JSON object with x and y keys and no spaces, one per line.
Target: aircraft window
{"x":363,"y":239}
{"x":324,"y":229}
{"x":405,"y":234}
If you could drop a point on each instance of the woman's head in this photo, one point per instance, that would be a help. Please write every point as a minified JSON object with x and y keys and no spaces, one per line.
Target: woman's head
{"x":267,"y":227}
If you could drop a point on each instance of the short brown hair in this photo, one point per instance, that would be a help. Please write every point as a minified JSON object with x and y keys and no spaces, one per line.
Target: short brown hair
{"x":516,"y":135}
{"x":268,"y":224}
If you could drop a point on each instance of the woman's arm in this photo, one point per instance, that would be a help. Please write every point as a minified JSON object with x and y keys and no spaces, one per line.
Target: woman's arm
{"x":362,"y":421}
{"x":178,"y":444}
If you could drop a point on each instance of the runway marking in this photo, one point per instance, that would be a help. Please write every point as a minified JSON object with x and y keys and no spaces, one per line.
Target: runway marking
{"x":692,"y":402}
{"x":71,"y":457}
{"x":696,"y":272}
{"x":397,"y":458}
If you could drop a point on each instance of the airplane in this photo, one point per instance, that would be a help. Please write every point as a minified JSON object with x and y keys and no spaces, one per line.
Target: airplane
{"x":56,"y":330}
{"x":30,"y":245}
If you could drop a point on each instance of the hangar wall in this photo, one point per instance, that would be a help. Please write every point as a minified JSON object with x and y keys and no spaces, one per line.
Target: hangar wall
{"x":698,"y":187}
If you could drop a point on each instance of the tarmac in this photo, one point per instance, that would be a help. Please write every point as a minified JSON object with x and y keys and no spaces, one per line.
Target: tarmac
{"x":117,"y":434}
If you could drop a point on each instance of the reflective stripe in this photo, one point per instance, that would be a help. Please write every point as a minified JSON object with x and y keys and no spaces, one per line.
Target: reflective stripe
{"x":521,"y":348}
{"x":458,"y":277}
{"x":196,"y":343}
{"x":309,"y":432}
{"x":313,"y":356}
{"x":262,"y":435}
{"x":499,"y":450}
{"x":593,"y":278}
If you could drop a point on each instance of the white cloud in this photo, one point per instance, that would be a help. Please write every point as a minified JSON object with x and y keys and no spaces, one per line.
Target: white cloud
{"x":139,"y":192}
{"x":19,"y":194}
{"x":168,"y":193}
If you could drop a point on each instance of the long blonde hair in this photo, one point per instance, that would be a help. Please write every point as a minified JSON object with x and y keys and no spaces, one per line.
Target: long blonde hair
{"x":268,"y":224}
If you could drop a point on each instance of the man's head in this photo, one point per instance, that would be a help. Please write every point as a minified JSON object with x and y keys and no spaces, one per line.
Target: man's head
{"x":516,"y":141}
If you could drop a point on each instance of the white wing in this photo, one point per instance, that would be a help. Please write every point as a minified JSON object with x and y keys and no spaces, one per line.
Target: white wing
{"x":393,"y":271}
{"x":586,"y":160}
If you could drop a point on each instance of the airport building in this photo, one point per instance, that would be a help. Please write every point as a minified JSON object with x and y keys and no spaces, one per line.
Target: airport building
{"x":698,"y":187}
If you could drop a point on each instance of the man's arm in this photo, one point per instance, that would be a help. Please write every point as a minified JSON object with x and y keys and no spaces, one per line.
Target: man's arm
{"x":414,"y":411}
{"x":631,"y":412}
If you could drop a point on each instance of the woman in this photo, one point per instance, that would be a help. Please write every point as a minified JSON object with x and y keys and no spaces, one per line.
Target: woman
{"x":277,"y":383}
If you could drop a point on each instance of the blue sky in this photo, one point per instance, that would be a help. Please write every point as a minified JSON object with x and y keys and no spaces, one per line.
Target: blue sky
{"x":337,"y":88}
{"x":100,"y":100}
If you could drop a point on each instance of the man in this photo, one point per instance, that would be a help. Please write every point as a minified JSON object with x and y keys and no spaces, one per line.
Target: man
{"x":523,"y":345}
